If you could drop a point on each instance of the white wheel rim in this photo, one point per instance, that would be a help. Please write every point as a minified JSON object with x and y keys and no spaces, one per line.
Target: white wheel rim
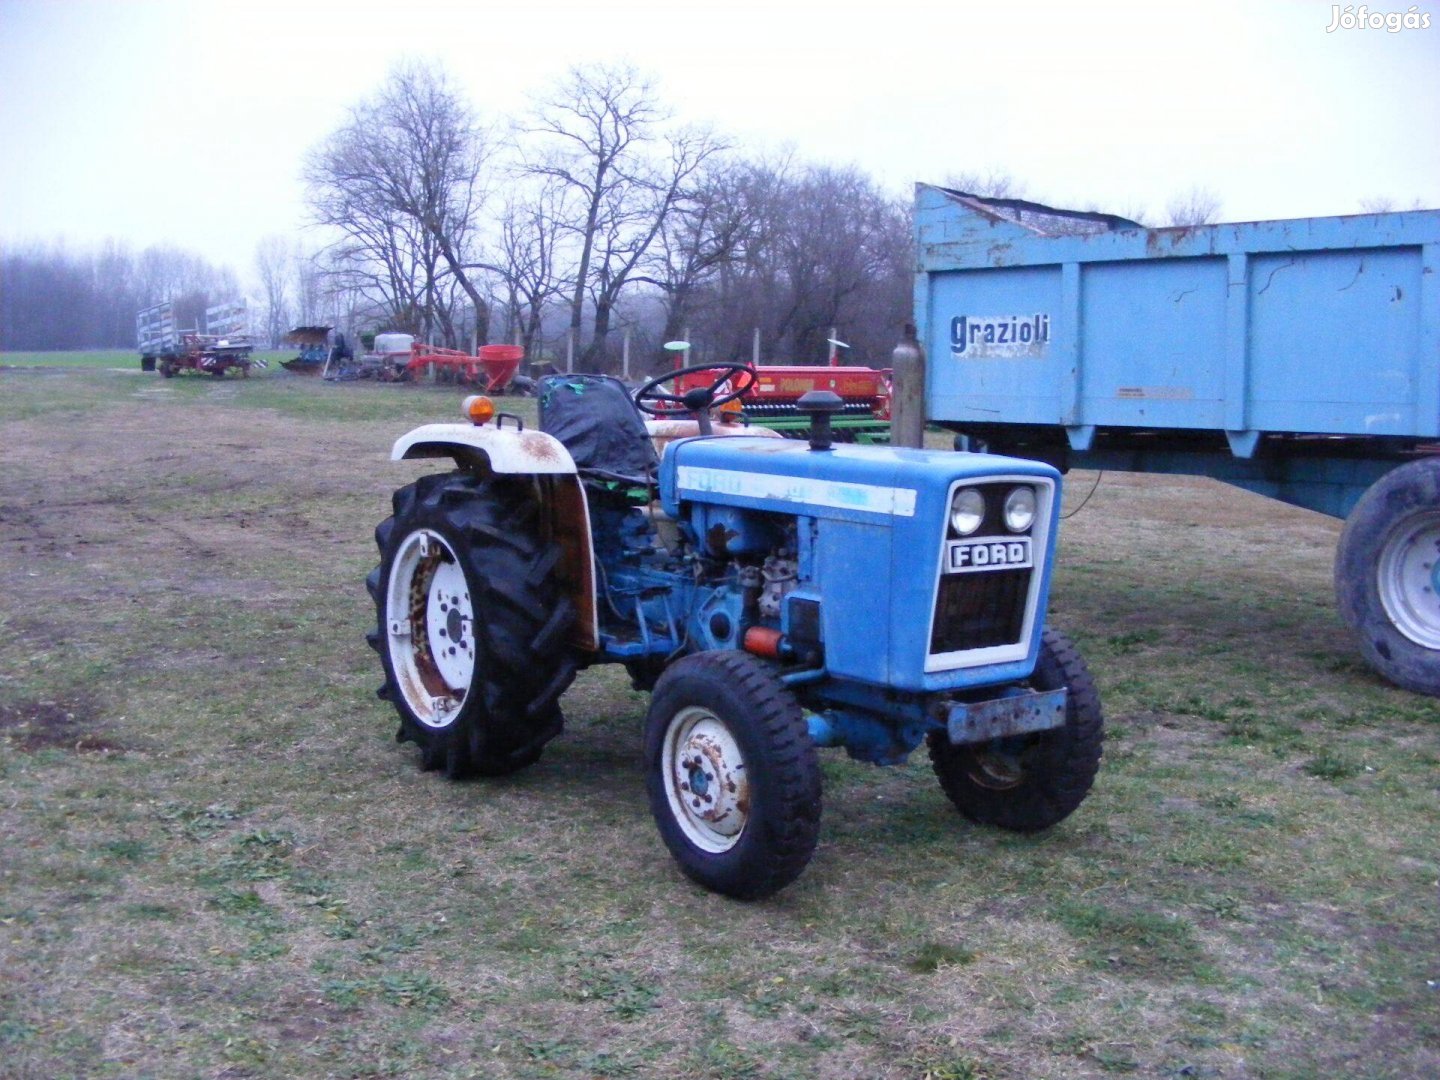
{"x":430,"y":628}
{"x":1408,"y":577}
{"x":705,"y":780}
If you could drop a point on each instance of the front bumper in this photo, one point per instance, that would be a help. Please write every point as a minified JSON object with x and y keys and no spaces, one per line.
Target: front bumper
{"x":1017,"y":714}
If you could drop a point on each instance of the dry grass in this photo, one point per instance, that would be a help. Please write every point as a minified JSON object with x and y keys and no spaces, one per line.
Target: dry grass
{"x":219,"y":864}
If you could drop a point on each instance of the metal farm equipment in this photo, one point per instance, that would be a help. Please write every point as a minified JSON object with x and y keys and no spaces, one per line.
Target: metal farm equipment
{"x":775,"y":597}
{"x":313,"y":343}
{"x":490,"y":370}
{"x":210,"y":355}
{"x":774,"y":402}
{"x":400,"y":358}
{"x":223,"y":346}
{"x":773,"y":399}
{"x":1296,"y":359}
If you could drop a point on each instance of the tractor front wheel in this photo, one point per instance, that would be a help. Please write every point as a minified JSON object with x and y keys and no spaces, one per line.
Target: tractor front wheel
{"x":473,"y":623}
{"x":732,"y":775}
{"x":1029,"y":782}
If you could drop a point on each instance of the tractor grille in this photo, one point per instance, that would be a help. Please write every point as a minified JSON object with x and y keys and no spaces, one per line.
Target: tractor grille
{"x":978,"y":611}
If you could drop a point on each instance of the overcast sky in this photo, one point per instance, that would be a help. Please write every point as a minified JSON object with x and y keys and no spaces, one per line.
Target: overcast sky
{"x":186,"y":123}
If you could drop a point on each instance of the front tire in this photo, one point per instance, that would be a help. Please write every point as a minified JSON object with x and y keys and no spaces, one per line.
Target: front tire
{"x":1030,"y":782}
{"x":1387,"y":576}
{"x":732,"y":775}
{"x":473,"y":623}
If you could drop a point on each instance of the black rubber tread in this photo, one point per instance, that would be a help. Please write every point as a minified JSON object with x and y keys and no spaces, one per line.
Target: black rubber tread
{"x":549,"y":695}
{"x":522,"y":621}
{"x":780,"y":760}
{"x":555,"y":628}
{"x":1410,"y":488}
{"x":1059,"y":765}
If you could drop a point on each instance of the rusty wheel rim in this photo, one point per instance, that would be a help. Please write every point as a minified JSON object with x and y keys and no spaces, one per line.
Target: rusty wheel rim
{"x":430,"y":628}
{"x":705,"y":780}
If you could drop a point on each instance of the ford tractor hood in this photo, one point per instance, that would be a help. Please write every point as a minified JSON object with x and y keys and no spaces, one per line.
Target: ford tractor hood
{"x":878,"y":557}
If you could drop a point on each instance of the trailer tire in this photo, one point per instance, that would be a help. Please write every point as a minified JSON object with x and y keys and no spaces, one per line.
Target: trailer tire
{"x":732,"y":775}
{"x":472,"y":623}
{"x":1030,"y":782}
{"x":1387,"y":575}
{"x":167,"y":369}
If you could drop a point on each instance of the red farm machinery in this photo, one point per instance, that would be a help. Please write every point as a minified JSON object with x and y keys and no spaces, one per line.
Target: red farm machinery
{"x":223,"y":345}
{"x":772,"y":401}
{"x":493,"y":369}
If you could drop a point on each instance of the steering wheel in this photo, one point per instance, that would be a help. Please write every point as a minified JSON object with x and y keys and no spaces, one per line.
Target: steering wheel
{"x":697,"y":400}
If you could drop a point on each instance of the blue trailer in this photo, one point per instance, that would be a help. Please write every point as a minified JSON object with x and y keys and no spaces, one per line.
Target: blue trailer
{"x":1299,"y":359}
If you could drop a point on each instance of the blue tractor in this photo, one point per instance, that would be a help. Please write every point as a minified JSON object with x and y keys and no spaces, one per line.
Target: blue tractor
{"x":775,"y":596}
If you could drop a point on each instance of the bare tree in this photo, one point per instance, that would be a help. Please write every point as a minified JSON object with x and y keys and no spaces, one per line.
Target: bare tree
{"x":529,"y":258}
{"x":598,"y":133}
{"x":308,"y":281}
{"x":402,"y":179}
{"x":1198,"y":206}
{"x":707,"y":231}
{"x":272,"y":265}
{"x":1383,"y":204}
{"x":988,"y":184}
{"x":827,"y":248}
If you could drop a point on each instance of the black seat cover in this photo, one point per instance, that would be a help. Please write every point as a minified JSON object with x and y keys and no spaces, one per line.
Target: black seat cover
{"x":594,"y":416}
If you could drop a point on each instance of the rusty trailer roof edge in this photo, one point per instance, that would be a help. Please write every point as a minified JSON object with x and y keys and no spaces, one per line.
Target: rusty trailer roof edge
{"x":943,"y":242}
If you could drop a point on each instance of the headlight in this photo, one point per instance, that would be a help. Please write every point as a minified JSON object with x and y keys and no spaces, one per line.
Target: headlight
{"x":967,"y":511}
{"x":1020,"y":509}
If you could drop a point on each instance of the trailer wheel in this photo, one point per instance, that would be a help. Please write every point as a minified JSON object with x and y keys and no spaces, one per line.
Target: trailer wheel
{"x":1030,"y":782}
{"x":167,"y":369}
{"x":473,"y":623}
{"x":1387,"y":575}
{"x":732,"y":775}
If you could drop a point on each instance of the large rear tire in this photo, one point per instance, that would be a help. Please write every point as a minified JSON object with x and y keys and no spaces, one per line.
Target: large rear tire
{"x":1387,"y":575}
{"x":473,"y":623}
{"x":1030,"y":782}
{"x":732,"y":775}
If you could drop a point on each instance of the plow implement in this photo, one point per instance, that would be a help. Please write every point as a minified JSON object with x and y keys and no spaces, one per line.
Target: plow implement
{"x":491,"y":368}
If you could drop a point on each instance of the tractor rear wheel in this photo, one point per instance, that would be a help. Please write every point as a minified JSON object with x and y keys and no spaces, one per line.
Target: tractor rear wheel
{"x":1029,"y":782}
{"x":732,"y":775}
{"x":473,"y":623}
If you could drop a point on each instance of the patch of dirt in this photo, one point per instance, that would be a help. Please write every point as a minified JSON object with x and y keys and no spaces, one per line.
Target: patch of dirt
{"x":38,"y":725}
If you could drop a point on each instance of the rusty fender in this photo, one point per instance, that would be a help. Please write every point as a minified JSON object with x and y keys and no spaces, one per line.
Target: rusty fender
{"x":535,"y":454}
{"x":523,"y":453}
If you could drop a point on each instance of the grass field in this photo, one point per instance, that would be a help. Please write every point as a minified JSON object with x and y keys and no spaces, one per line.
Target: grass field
{"x":218,"y":863}
{"x":124,"y":359}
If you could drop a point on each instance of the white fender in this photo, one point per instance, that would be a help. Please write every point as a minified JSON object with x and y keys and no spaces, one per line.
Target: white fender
{"x":527,"y":453}
{"x":506,"y":450}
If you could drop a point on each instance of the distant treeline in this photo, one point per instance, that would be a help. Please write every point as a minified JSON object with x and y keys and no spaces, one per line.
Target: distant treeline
{"x":52,"y":298}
